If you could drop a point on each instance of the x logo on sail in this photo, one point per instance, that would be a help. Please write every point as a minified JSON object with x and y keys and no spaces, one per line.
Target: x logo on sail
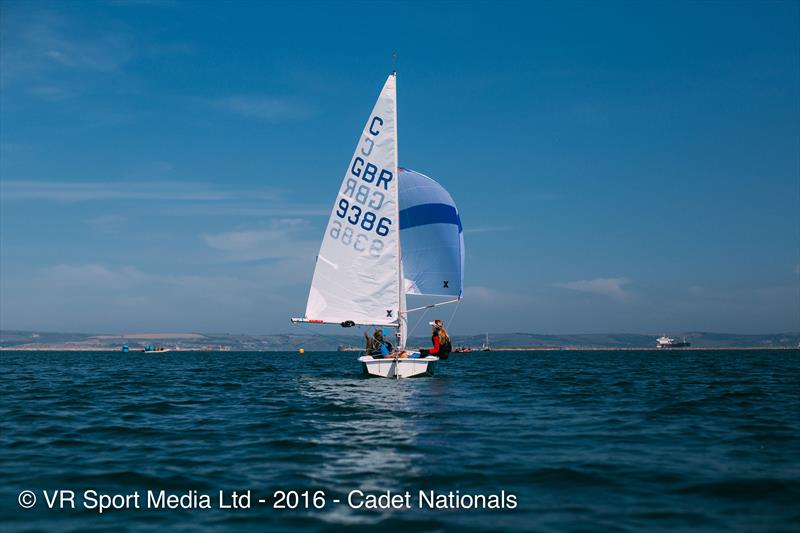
{"x":389,"y":313}
{"x":445,"y":284}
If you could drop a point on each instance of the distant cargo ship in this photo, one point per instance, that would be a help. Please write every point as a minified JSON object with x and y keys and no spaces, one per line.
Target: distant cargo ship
{"x":346,"y":348}
{"x":668,"y":342}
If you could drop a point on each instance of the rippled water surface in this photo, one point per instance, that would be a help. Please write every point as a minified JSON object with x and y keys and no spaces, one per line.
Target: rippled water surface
{"x":605,"y":440}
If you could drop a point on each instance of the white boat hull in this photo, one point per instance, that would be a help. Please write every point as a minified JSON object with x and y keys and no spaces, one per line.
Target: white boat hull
{"x":397,"y":368}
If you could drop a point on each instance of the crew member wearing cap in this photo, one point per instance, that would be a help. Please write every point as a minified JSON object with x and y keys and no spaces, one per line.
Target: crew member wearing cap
{"x":377,"y":346}
{"x":441,"y":341}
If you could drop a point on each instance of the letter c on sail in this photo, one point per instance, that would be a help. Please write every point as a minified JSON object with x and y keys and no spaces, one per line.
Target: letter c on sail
{"x":372,"y":129}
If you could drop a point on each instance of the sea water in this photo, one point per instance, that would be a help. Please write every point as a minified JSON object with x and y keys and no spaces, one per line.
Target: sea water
{"x":593,"y":440}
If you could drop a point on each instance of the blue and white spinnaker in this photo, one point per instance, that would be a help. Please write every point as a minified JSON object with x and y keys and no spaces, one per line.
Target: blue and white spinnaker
{"x":431,"y":237}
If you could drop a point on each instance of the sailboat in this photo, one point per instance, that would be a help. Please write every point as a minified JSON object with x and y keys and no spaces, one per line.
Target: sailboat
{"x":392,"y":232}
{"x":486,"y":347}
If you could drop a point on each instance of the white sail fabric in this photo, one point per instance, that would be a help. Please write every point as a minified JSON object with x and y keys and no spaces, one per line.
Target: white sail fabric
{"x":431,"y":237}
{"x":357,"y":271}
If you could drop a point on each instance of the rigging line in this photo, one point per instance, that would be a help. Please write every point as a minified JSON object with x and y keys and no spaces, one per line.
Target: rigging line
{"x":418,"y":322}
{"x":453,"y":314}
{"x":429,"y":306}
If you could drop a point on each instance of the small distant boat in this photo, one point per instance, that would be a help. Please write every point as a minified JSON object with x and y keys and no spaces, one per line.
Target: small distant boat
{"x":669,"y":342}
{"x":486,"y":347}
{"x":155,"y":349}
{"x":463,"y":349}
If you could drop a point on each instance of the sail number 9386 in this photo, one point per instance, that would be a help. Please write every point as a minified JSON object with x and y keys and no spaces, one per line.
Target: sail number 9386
{"x":357,"y":216}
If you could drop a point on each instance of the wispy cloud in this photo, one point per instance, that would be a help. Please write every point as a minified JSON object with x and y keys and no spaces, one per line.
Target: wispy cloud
{"x":43,"y":52}
{"x":610,"y":287}
{"x":240,"y":210}
{"x":101,"y":276}
{"x":188,"y":199}
{"x":491,"y":229}
{"x":279,"y":241}
{"x":491,"y":297}
{"x":106,"y":54}
{"x":216,"y":283}
{"x":269,"y":108}
{"x":106,"y":223}
{"x":94,"y":275}
{"x":55,"y":55}
{"x":133,"y":190}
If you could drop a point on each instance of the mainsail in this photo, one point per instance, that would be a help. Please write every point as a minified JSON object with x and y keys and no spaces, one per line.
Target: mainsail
{"x":356,"y":277}
{"x":431,"y":237}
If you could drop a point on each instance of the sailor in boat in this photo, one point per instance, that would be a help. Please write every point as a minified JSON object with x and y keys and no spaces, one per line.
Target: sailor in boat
{"x":377,"y":346}
{"x":441,"y":341}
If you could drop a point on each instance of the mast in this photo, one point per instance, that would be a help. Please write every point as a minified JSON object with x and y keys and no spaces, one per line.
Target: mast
{"x":401,"y":293}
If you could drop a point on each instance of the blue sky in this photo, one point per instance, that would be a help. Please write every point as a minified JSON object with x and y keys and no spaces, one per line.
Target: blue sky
{"x":619,"y":167}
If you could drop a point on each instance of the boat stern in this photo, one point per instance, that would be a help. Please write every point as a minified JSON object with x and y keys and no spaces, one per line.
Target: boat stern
{"x":395,"y":367}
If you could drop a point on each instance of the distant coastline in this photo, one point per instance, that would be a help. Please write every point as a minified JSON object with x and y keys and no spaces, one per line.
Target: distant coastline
{"x":475,"y":352}
{"x":52,"y":341}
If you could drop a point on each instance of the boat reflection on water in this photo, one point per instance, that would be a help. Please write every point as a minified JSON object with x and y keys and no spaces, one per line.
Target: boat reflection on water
{"x":378,"y":437}
{"x":371,"y":438}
